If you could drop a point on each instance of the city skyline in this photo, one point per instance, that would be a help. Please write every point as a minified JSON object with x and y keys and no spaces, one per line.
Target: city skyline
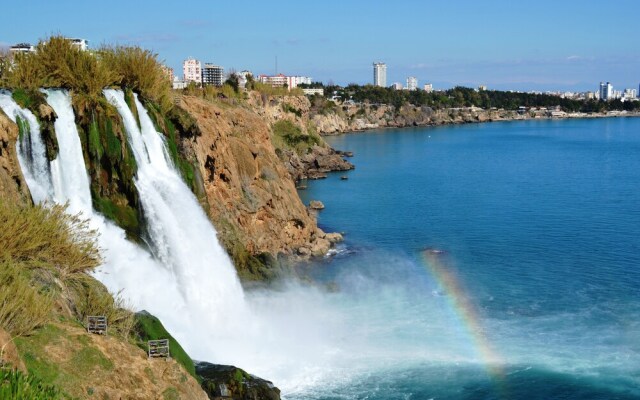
{"x":546,"y":46}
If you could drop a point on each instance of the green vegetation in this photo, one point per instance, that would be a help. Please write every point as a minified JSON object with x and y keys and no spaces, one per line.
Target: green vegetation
{"x":269,"y":90}
{"x":68,"y":369}
{"x":138,"y":69}
{"x":57,"y":63}
{"x":147,"y":327}
{"x":288,"y":135}
{"x":467,"y":97}
{"x":14,"y":385}
{"x":290,"y":109}
{"x":47,"y":237}
{"x":45,"y":255}
{"x":23,"y":308}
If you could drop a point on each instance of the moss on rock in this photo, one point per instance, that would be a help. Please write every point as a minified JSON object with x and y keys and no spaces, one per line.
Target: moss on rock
{"x":148,"y":327}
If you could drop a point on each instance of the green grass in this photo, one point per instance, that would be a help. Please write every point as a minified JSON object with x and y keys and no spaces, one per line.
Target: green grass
{"x":69,"y":375}
{"x":148,"y":327}
{"x":23,"y":308}
{"x":14,"y":385}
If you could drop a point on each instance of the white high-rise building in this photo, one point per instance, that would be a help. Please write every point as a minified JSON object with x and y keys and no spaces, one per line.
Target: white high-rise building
{"x":606,"y":91}
{"x":412,"y":83}
{"x":428,"y":87}
{"x":192,"y":70}
{"x":379,"y":74}
{"x":212,"y":75}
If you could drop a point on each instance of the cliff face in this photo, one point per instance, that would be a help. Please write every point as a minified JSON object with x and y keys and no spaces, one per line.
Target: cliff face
{"x":349,"y":118}
{"x":12,"y":184}
{"x":251,"y":197}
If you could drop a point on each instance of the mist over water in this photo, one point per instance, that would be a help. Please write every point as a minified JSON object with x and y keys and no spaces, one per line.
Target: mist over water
{"x":539,"y":227}
{"x":539,"y":223}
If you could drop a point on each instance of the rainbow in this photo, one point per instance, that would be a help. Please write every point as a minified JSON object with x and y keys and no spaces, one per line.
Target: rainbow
{"x":466,"y":313}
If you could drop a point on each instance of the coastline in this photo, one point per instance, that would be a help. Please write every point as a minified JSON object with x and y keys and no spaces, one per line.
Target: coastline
{"x":409,"y":116}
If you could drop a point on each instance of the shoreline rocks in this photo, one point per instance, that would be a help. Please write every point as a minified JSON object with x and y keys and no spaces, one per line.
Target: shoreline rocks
{"x":363,"y":117}
{"x":316,"y":205}
{"x":229,"y":382}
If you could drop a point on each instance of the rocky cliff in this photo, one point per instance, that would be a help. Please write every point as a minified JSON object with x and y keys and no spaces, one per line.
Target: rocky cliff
{"x":348,"y":118}
{"x":12,"y":184}
{"x":250,"y":195}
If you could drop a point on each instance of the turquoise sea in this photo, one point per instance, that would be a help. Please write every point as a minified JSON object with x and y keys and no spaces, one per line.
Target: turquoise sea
{"x":487,"y":261}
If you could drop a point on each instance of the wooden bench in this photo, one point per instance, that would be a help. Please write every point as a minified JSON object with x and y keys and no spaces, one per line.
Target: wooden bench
{"x":97,"y":324}
{"x":159,"y":348}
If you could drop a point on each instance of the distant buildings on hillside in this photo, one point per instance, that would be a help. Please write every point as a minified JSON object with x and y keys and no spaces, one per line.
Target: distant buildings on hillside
{"x":282,"y":80}
{"x":194,"y":72}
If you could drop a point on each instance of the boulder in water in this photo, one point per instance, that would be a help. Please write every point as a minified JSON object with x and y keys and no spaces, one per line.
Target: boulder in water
{"x":229,"y":382}
{"x":316,"y":205}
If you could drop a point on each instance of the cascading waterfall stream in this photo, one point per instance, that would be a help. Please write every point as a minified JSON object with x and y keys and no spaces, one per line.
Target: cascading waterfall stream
{"x":31,"y":150}
{"x":267,"y":335}
{"x":298,"y":337}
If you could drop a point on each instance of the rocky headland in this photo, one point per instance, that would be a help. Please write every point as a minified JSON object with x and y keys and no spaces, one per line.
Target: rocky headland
{"x":345,"y":118}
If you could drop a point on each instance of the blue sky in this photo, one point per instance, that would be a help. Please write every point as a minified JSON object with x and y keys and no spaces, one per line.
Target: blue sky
{"x":520,"y":45}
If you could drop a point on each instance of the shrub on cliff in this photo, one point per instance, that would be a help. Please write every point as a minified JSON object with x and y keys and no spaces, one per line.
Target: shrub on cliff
{"x":57,"y":63}
{"x":23,"y":308}
{"x":47,"y":237}
{"x":288,"y":135}
{"x":139,"y":70}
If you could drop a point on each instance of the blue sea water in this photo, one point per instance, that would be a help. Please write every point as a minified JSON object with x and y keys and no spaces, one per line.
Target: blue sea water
{"x":539,"y":223}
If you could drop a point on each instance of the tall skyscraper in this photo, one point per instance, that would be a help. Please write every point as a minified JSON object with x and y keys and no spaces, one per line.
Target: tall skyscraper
{"x":606,"y":91}
{"x":412,"y":83}
{"x":379,"y":74}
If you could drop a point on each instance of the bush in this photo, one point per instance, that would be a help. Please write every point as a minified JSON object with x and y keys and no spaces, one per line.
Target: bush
{"x":47,"y":237}
{"x":22,"y":308}
{"x":139,"y":69}
{"x":57,"y":63}
{"x":288,"y":135}
{"x":90,"y":297}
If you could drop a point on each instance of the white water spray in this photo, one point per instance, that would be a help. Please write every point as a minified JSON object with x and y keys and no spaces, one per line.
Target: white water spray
{"x":123,"y":259}
{"x":31,"y":150}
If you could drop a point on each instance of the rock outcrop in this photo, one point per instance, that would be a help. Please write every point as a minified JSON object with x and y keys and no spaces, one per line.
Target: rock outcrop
{"x":229,"y":382}
{"x":252,"y":199}
{"x":349,"y":118}
{"x":12,"y":184}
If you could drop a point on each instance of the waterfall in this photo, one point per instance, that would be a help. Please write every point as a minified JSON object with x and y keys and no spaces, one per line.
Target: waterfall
{"x":180,"y":233}
{"x":188,"y":281}
{"x":31,"y":150}
{"x":123,"y":260}
{"x":68,"y":171}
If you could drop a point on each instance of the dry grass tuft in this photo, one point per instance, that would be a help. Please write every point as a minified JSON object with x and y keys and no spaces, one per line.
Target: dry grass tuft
{"x":22,"y":307}
{"x":139,"y":70}
{"x":46,"y":237}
